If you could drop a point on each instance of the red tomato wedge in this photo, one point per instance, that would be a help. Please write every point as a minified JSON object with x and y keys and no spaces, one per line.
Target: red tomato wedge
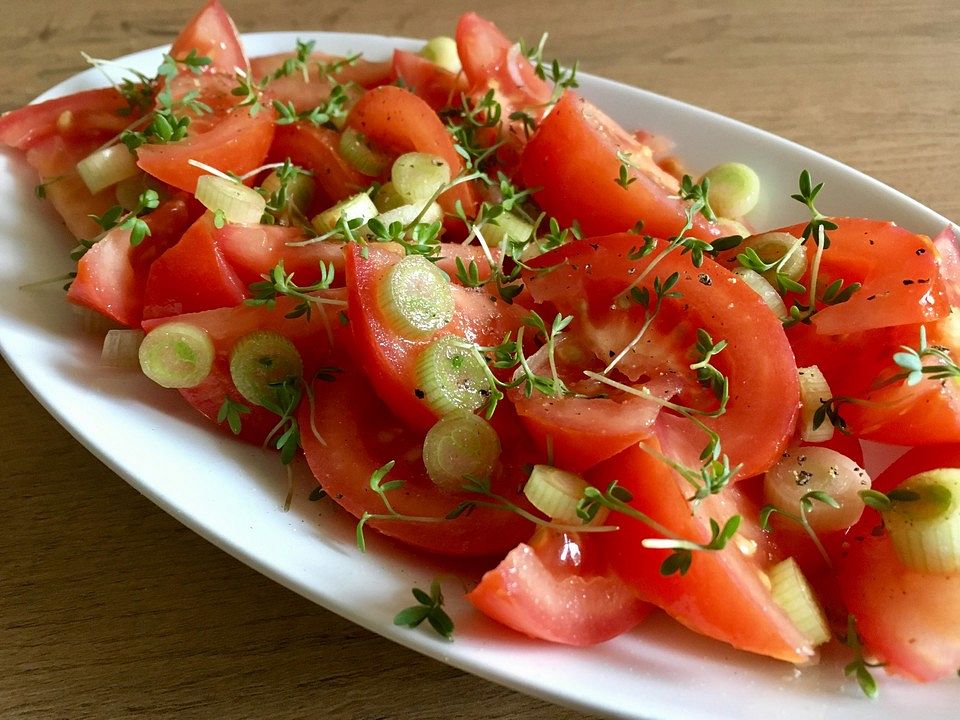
{"x":91,"y":113}
{"x":308,"y":92}
{"x":112,"y":275}
{"x":361,"y":435}
{"x":317,"y":149}
{"x":545,"y":590}
{"x":390,"y":360}
{"x":947,"y":246}
{"x":722,"y":595}
{"x":588,"y":275}
{"x":212,"y":34}
{"x":397,"y":121}
{"x":438,"y":87}
{"x":572,"y":158}
{"x":253,"y":250}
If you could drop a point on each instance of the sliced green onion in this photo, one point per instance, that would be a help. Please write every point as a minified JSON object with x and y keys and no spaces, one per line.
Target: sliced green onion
{"x":507,"y":228}
{"x":417,"y":176}
{"x":756,"y":282}
{"x":451,"y":377}
{"x":107,"y":166}
{"x":177,"y":355}
{"x":416,"y":298}
{"x":772,"y":246}
{"x":121,"y":349}
{"x":924,"y":521}
{"x":299,"y":190}
{"x":442,"y":51}
{"x":458,"y":448}
{"x":261,"y":359}
{"x":556,"y":493}
{"x":406,"y":214}
{"x":802,"y":470}
{"x":387,"y":198}
{"x":793,"y":594}
{"x":734,"y":189}
{"x":93,"y":322}
{"x":814,"y":390}
{"x":358,"y":206}
{"x":238,"y":203}
{"x":357,"y":151}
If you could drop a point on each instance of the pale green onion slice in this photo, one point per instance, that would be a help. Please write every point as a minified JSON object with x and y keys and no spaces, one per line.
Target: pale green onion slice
{"x":177,"y":355}
{"x":924,"y":521}
{"x":238,"y":203}
{"x":358,"y":206}
{"x":773,"y":246}
{"x":417,"y":176}
{"x":406,"y":214}
{"x":442,"y":51}
{"x":299,"y":190}
{"x":756,"y":282}
{"x":387,"y":198}
{"x":793,"y":594}
{"x":261,"y":359}
{"x":460,"y":447}
{"x":121,"y":349}
{"x":107,"y":166}
{"x":452,"y":377}
{"x":734,"y":189}
{"x":802,"y":470}
{"x":814,"y":390}
{"x":416,"y":298}
{"x":556,"y":493}
{"x":357,"y":151}
{"x":506,"y":228}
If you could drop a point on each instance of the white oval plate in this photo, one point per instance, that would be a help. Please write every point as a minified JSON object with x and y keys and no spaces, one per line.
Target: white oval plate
{"x":231,"y":493}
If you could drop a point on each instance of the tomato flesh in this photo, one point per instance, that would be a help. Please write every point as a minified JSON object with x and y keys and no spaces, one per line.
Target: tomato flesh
{"x":211,"y":33}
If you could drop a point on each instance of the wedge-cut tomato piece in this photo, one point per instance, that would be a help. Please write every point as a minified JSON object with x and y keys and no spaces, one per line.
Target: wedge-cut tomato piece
{"x":212,"y":34}
{"x":91,"y":113}
{"x":721,"y":589}
{"x":323,"y":71}
{"x":361,"y":435}
{"x":590,"y":278}
{"x":947,"y":245}
{"x":573,"y":159}
{"x":317,"y":150}
{"x":553,"y":589}
{"x":112,"y":275}
{"x":253,"y":250}
{"x":192,"y":276}
{"x":397,"y":121}
{"x":439,"y":87}
{"x":314,"y":337}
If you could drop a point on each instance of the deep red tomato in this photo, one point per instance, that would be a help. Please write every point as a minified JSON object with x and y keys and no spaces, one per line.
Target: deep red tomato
{"x":212,"y":34}
{"x":112,"y":275}
{"x":586,"y":278}
{"x":81,"y":116}
{"x":192,"y":276}
{"x":572,"y":158}
{"x":361,"y":435}
{"x":253,"y":250}
{"x":948,"y":250}
{"x":722,"y":595}
{"x":439,"y":87}
{"x":397,"y":121}
{"x":551,"y":589}
{"x":390,"y":360}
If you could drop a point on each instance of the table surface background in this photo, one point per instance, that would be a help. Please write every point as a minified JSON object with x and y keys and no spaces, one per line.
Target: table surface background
{"x":110,"y":608}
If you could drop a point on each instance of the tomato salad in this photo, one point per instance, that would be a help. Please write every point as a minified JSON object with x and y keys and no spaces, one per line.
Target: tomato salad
{"x":499,"y":325}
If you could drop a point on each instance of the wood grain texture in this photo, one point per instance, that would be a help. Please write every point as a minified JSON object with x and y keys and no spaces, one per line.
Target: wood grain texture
{"x":110,"y":608}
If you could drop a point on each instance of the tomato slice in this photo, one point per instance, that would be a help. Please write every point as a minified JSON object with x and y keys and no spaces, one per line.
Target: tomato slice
{"x":572,"y":158}
{"x":722,"y":595}
{"x":211,"y":33}
{"x":586,"y":277}
{"x":361,"y":435}
{"x":112,"y":275}
{"x":438,"y":87}
{"x":91,"y":113}
{"x":546,"y":589}
{"x":317,"y":150}
{"x":254,"y":250}
{"x":947,"y":246}
{"x":389,"y":360}
{"x":192,"y":275}
{"x":397,"y":121}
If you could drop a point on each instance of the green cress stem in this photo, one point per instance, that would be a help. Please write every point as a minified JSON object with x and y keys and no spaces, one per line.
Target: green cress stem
{"x":260,"y":359}
{"x":177,"y":355}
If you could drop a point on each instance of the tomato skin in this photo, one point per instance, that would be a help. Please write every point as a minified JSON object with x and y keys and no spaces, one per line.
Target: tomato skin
{"x":236,"y":143}
{"x":900,"y":273}
{"x":350,"y":416}
{"x":397,"y":121}
{"x":722,"y":588}
{"x":92,"y":113}
{"x":211,"y":33}
{"x":948,"y":251}
{"x":254,"y":250}
{"x":317,"y":150}
{"x":438,"y":87}
{"x":535,"y":593}
{"x":572,"y":157}
{"x":588,"y":274}
{"x":389,"y":360}
{"x":112,"y":275}
{"x":308,"y":94}
{"x":192,"y":276}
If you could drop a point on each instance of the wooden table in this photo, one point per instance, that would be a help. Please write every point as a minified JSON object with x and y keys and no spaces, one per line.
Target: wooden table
{"x":110,"y":608}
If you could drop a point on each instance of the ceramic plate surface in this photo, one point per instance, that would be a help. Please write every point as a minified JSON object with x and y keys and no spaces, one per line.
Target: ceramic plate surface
{"x":232,"y":494}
